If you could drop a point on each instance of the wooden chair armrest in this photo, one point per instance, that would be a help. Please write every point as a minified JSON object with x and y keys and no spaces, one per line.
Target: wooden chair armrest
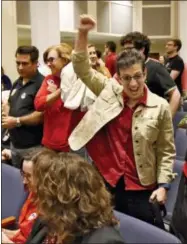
{"x":8,"y":221}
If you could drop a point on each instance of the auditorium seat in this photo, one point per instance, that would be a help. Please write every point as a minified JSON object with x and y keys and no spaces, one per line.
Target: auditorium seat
{"x":181,"y":143}
{"x":136,"y":231}
{"x":178,"y":116}
{"x":185,"y":106}
{"x":13,"y":194}
{"x":172,"y":193}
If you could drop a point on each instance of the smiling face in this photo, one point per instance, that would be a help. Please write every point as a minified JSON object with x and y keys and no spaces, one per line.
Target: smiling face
{"x":133,"y":80}
{"x":54,"y":62}
{"x":92,"y":55}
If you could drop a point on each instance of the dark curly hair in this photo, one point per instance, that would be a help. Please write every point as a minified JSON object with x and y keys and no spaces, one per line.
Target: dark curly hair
{"x":72,"y":197}
{"x":139,"y":40}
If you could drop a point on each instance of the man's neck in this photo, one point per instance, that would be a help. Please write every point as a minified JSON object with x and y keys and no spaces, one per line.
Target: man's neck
{"x":132,"y":103}
{"x":172,"y":55}
{"x":25,"y":80}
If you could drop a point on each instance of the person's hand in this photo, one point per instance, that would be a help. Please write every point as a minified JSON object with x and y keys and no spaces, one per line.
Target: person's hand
{"x":6,"y":154}
{"x":8,"y":122}
{"x":10,"y":233}
{"x":87,"y":23}
{"x":160,"y":195}
{"x":5,"y":108}
{"x":51,"y":87}
{"x":161,"y":59}
{"x":5,"y":239}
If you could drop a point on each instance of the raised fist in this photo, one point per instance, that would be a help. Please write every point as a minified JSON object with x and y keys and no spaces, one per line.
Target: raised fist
{"x":87,"y":23}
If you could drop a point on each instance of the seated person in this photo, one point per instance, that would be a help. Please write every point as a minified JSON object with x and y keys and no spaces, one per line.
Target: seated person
{"x":72,"y":200}
{"x":28,"y":212}
{"x":6,"y":83}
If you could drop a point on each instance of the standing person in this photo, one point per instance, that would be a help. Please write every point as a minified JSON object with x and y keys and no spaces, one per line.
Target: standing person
{"x":95,"y":63}
{"x":173,"y":62}
{"x":80,"y":213}
{"x":158,"y":80}
{"x":6,"y":83}
{"x":128,"y":131}
{"x":59,"y":120}
{"x":28,"y":213}
{"x":110,"y":59}
{"x":23,"y":122}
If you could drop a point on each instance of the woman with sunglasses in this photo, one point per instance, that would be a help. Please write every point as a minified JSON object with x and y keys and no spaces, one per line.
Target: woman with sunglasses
{"x":58,"y":121}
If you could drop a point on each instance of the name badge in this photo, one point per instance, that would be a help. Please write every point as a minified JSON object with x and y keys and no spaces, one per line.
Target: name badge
{"x":23,"y":95}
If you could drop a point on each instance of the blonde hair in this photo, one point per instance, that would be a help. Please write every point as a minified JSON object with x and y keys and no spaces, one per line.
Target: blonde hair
{"x":64,"y":50}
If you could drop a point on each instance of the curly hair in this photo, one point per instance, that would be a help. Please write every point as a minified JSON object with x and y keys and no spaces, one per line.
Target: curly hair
{"x":72,"y":197}
{"x":139,"y":40}
{"x":126,"y":59}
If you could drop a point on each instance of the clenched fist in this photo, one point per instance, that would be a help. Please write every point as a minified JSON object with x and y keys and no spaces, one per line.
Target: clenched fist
{"x":87,"y":23}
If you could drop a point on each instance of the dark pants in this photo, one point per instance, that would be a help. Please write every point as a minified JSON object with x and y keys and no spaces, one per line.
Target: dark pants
{"x":133,"y":203}
{"x":179,"y":218}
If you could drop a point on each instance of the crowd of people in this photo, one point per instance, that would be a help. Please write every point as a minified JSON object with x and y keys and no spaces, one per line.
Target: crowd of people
{"x":91,"y":136}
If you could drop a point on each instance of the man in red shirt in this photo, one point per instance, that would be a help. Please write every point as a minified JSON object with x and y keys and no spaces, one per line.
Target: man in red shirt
{"x":110,"y":59}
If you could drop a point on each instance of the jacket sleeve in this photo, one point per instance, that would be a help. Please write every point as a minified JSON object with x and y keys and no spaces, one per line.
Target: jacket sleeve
{"x":40,"y":99}
{"x":165,"y":148}
{"x":90,"y":77}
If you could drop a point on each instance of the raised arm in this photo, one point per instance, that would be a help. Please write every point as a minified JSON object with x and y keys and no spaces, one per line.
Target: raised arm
{"x":93,"y":79}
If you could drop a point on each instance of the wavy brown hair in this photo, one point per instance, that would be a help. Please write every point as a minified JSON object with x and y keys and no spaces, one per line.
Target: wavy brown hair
{"x":72,"y":197}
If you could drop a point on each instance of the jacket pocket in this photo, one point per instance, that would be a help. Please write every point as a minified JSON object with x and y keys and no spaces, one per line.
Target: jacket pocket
{"x":149,"y":130}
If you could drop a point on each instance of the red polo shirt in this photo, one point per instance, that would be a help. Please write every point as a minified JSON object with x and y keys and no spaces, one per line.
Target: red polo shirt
{"x":112,"y":150}
{"x":110,"y":63}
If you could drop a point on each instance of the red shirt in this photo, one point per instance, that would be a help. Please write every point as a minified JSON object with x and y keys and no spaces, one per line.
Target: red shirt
{"x":110,"y":63}
{"x":58,"y":120}
{"x":26,"y":220}
{"x":112,"y":150}
{"x":185,"y":169}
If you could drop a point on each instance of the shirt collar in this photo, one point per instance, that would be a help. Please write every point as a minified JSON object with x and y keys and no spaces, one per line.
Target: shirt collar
{"x":32,"y":79}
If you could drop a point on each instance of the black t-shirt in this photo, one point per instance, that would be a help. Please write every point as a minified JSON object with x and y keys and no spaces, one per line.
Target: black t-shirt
{"x":21,"y":101}
{"x":158,"y":79}
{"x":175,"y":63}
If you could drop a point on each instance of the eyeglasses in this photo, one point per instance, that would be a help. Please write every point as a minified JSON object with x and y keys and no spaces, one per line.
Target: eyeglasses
{"x":51,"y":59}
{"x":128,"y":78}
{"x":25,"y":175}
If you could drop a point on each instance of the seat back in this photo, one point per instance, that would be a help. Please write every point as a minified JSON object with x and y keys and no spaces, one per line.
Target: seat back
{"x":13,"y":194}
{"x":181,"y":143}
{"x":185,"y":106}
{"x":136,"y":231}
{"x":178,"y":117}
{"x":184,"y":78}
{"x":172,"y":193}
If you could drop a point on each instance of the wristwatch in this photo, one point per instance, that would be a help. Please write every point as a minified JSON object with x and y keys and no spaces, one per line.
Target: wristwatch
{"x":18,"y":123}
